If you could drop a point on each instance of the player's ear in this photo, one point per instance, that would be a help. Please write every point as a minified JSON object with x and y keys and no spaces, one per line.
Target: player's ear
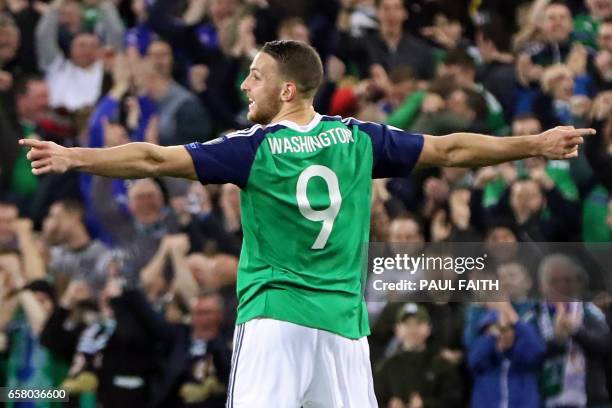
{"x":289,"y":92}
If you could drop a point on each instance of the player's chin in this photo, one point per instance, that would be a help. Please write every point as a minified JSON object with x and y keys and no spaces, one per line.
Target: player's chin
{"x":254,"y":117}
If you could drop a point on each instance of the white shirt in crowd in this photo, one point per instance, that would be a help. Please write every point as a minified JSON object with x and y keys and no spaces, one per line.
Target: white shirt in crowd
{"x":73,"y":87}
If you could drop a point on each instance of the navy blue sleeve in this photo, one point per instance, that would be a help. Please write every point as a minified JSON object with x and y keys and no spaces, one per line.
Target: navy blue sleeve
{"x":227,"y":159}
{"x":395,"y":152}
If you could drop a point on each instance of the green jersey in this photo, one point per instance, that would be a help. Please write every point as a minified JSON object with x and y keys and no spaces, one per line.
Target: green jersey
{"x":305,"y":204}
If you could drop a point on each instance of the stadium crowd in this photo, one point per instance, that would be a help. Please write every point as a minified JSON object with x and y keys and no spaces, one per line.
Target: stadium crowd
{"x":123,"y":292}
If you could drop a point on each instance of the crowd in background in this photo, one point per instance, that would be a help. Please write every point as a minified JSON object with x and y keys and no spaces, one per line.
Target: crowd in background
{"x":123,"y":292}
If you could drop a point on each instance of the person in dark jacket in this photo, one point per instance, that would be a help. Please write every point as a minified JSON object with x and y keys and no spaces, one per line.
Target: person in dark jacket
{"x":197,"y":357}
{"x":577,"y":338}
{"x":417,"y":375}
{"x":505,"y":359}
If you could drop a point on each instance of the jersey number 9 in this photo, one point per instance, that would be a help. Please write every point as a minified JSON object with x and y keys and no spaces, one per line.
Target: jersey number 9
{"x":327,"y":215}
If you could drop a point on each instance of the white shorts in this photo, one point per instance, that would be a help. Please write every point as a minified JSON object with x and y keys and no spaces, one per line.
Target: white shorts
{"x":285,"y":365}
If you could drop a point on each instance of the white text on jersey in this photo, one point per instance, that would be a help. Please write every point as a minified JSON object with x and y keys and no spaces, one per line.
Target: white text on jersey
{"x":308,"y":143}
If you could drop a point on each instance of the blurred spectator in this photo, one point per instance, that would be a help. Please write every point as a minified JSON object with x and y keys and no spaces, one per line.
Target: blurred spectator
{"x":390,"y":46}
{"x":24,"y":309}
{"x":576,"y":335}
{"x":564,"y":99}
{"x":203,"y":225}
{"x":587,"y":24}
{"x":30,"y":107}
{"x":197,"y":358}
{"x":505,"y":358}
{"x":446,"y":31}
{"x":496,"y":71}
{"x":601,"y":68}
{"x":138,"y":38}
{"x":74,"y":255}
{"x":294,"y":29}
{"x":9,"y":213}
{"x":209,"y":37}
{"x":416,"y":376}
{"x":139,"y":228}
{"x":524,"y":201}
{"x":182,"y":119}
{"x":75,"y":81}
{"x":555,"y":28}
{"x":9,"y":45}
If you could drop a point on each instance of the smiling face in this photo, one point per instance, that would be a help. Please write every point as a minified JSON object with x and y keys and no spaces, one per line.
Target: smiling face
{"x":263,"y":87}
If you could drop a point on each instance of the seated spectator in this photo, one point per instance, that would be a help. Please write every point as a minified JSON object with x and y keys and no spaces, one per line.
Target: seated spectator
{"x":74,"y":255}
{"x":75,"y":81}
{"x":576,"y":334}
{"x":505,"y":358}
{"x":417,"y":375}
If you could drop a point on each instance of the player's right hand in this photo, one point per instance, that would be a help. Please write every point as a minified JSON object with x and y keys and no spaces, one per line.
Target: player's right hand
{"x":47,"y":157}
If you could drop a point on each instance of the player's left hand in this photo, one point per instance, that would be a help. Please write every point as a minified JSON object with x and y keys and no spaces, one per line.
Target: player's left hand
{"x":562,"y":142}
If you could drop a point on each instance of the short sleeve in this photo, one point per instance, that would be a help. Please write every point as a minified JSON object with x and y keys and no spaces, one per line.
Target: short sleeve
{"x":395,"y":152}
{"x":227,"y":159}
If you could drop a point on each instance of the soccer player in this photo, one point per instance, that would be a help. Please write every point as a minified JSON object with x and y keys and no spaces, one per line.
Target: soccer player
{"x":305,"y":182}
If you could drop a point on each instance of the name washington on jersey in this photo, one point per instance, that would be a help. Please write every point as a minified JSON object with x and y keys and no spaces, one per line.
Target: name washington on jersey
{"x":310,"y":143}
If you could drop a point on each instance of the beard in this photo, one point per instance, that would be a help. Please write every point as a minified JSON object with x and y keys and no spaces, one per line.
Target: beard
{"x":266,"y":110}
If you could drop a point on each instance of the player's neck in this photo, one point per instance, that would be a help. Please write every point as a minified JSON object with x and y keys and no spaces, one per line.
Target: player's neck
{"x":301,"y":114}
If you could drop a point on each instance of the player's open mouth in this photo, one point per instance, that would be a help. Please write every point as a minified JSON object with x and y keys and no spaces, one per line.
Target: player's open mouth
{"x":251,"y":103}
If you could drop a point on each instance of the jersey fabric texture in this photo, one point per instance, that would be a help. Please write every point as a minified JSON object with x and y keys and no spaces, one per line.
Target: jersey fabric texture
{"x":305,"y":208}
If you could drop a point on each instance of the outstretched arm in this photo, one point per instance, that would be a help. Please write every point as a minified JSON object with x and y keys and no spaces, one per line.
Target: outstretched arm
{"x":474,"y":150}
{"x":132,"y":160}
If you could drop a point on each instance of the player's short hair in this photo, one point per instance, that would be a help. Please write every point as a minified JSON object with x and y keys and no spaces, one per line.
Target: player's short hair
{"x":298,"y":62}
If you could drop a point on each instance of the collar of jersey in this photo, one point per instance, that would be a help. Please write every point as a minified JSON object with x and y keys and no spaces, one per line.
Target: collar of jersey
{"x":299,"y":128}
